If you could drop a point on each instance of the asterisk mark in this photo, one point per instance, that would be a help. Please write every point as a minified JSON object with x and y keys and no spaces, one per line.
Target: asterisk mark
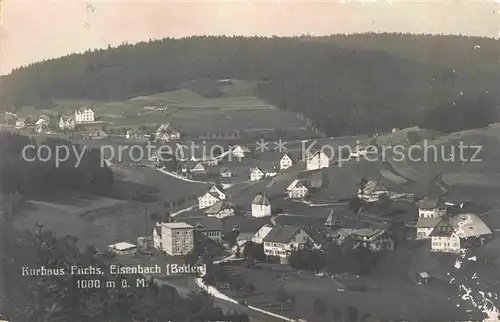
{"x":280,"y":145}
{"x":262,"y":146}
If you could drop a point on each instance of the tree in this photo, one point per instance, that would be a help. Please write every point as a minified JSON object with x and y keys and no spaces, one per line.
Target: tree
{"x":253,"y":251}
{"x":319,"y":307}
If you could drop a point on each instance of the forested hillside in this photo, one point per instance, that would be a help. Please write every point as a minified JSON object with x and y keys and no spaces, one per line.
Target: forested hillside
{"x":343,"y":87}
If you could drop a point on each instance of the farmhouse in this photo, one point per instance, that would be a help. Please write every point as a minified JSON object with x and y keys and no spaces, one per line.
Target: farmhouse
{"x":84,"y":114}
{"x":371,"y":191}
{"x":317,"y":160}
{"x":41,"y":125}
{"x":374,"y":239}
{"x":284,"y":239}
{"x":240,"y":151}
{"x":430,"y":207}
{"x":176,"y":238}
{"x":287,"y":161}
{"x":256,"y":174}
{"x":210,"y":227}
{"x":166,"y":133}
{"x":261,"y":207}
{"x":66,"y":123}
{"x":297,"y":190}
{"x":217,"y":189}
{"x":20,"y":122}
{"x":193,"y":167}
{"x":460,"y":231}
{"x":225,"y":173}
{"x":123,"y":248}
{"x":425,"y":226}
{"x":207,"y":200}
{"x":220,"y":209}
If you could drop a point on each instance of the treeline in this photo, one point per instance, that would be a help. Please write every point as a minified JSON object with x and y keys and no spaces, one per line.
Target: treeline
{"x":344,"y":90}
{"x":58,"y":297}
{"x":31,"y":170}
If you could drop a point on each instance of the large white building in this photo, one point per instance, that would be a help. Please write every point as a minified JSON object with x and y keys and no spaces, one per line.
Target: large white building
{"x":454,"y":233}
{"x":261,"y":207}
{"x":175,"y":238}
{"x":84,"y":114}
{"x":317,"y":160}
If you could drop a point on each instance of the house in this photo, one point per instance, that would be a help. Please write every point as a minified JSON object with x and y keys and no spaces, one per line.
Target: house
{"x":145,"y":243}
{"x":226,"y":173}
{"x":209,"y":161}
{"x":177,"y":238}
{"x":257,"y":174}
{"x":313,"y":179}
{"x":84,"y":114}
{"x":371,"y":191}
{"x":374,"y":239}
{"x":261,"y":207}
{"x":41,"y":125}
{"x":287,"y":161}
{"x":425,"y":226}
{"x":193,"y":167}
{"x":259,"y":236}
{"x":430,"y":207}
{"x":453,"y":233}
{"x":166,"y":133}
{"x":123,"y":248}
{"x":297,"y":190}
{"x":220,"y":209}
{"x":284,"y":239}
{"x":243,"y":239}
{"x":66,"y":122}
{"x":210,"y":227}
{"x":157,"y":236}
{"x":240,"y":151}
{"x":208,"y":199}
{"x":217,"y":189}
{"x":317,"y":160}
{"x":20,"y":123}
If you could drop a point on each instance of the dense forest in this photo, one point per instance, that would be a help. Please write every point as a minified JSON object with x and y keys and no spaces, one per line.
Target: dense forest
{"x":31,"y":176}
{"x":345,"y":84}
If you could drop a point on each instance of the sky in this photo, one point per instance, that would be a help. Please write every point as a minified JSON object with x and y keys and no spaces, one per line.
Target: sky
{"x":35,"y":30}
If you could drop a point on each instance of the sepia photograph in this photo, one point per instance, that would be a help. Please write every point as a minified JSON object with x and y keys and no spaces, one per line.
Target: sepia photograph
{"x":249,"y":160}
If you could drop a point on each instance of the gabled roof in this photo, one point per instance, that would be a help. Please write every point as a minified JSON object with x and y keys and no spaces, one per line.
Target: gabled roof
{"x":369,"y":234}
{"x":371,"y":186}
{"x":444,"y":228}
{"x":257,"y":169}
{"x":282,"y":234}
{"x":428,"y":222}
{"x":205,"y":223}
{"x":296,"y":184}
{"x":431,"y":203}
{"x":217,"y":187}
{"x":261,"y":200}
{"x":242,"y":147}
{"x":470,"y":225}
{"x":218,"y":207}
{"x":290,"y":156}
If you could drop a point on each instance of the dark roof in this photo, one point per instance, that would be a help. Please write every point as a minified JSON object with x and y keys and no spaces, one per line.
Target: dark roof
{"x":282,"y":234}
{"x":205,"y":223}
{"x":292,"y":156}
{"x":443,"y":229}
{"x":261,"y":200}
{"x":431,"y":203}
{"x":218,"y":206}
{"x":428,"y":222}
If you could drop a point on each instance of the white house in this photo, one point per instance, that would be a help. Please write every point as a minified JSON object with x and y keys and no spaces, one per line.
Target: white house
{"x":284,"y":239}
{"x":207,"y":200}
{"x":454,"y":233}
{"x":372,"y":191}
{"x":20,"y":122}
{"x":259,"y":236}
{"x":297,"y":190}
{"x":431,"y":208}
{"x":84,"y":114}
{"x":261,"y":207}
{"x":257,"y":174}
{"x":317,"y":160}
{"x":66,"y":122}
{"x":193,"y":167}
{"x":166,"y":133}
{"x":220,"y":209}
{"x":286,"y":161}
{"x":226,"y":173}
{"x":425,"y":226}
{"x":217,"y":189}
{"x":41,"y":125}
{"x":240,"y":151}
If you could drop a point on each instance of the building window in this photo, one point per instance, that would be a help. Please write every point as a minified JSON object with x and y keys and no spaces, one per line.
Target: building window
{"x":177,"y":232}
